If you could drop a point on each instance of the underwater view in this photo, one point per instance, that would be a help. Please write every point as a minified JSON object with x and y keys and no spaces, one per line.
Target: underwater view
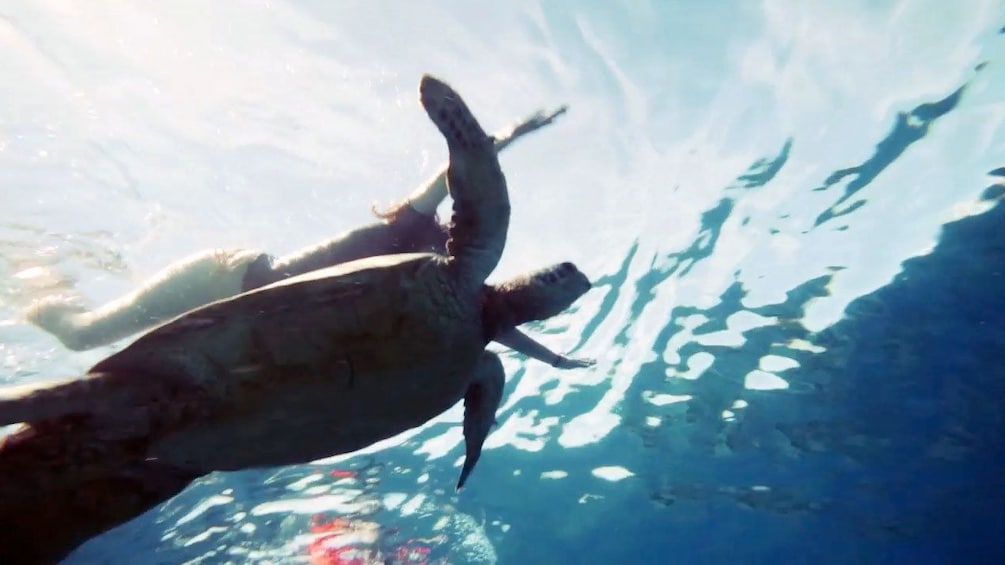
{"x":791,"y":215}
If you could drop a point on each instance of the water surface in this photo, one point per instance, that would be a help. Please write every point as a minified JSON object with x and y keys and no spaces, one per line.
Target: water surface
{"x":786,"y":208}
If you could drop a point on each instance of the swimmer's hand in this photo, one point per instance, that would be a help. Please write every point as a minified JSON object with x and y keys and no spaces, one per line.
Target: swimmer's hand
{"x":529,"y":124}
{"x":537,"y":121}
{"x":563,"y":362}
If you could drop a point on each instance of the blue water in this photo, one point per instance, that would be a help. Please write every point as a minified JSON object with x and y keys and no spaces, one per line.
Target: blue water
{"x":791,"y":212}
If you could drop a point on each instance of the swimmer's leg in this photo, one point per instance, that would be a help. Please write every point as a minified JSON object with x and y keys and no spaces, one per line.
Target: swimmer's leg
{"x":190,"y":283}
{"x":428,"y":197}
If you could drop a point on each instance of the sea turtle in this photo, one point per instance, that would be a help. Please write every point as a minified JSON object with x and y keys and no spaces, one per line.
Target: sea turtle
{"x":330,"y":361}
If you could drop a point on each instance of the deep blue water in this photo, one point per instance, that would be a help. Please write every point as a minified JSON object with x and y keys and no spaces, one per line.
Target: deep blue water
{"x":886,"y":448}
{"x":792,"y":216}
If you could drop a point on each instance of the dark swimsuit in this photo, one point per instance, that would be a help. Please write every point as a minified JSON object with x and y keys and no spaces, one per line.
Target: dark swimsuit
{"x":409,"y":232}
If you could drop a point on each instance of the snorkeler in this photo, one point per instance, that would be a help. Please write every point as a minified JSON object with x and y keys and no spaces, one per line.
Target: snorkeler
{"x":407,"y":227}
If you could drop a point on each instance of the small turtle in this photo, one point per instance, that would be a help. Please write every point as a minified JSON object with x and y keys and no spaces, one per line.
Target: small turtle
{"x":333,"y":360}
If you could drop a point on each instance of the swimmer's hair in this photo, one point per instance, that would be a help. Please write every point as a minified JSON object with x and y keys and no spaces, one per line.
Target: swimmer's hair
{"x":391,"y":214}
{"x":396,"y":211}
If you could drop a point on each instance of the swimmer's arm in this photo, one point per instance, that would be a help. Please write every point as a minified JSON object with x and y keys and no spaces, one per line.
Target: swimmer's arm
{"x":531,"y":123}
{"x":522,"y":343}
{"x":427,"y":197}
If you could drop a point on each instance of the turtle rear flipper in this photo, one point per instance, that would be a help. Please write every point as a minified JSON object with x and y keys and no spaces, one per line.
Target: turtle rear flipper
{"x":124,"y":402}
{"x":62,"y":484}
{"x":47,"y":400}
{"x":476,"y":184}
{"x":480,"y":404}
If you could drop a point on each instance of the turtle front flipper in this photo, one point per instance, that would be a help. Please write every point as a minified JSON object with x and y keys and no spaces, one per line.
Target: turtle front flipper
{"x":476,"y":184}
{"x":480,"y":404}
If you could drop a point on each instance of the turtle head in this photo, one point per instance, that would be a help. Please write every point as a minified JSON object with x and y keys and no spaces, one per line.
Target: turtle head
{"x":538,"y":295}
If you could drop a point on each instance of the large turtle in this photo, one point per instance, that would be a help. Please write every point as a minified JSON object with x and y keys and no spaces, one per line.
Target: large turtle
{"x":320,"y":364}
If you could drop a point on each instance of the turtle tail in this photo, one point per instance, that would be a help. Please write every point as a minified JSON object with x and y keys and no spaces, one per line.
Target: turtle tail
{"x":475,"y":182}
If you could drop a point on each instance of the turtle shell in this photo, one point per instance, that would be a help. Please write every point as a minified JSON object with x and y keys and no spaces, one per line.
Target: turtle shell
{"x":316,"y":365}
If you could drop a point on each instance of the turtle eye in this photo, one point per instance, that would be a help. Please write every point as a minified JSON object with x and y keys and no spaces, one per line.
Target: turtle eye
{"x":551,"y":277}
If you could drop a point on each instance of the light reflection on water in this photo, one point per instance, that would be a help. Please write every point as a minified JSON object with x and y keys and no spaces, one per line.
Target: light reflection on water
{"x":731,"y":188}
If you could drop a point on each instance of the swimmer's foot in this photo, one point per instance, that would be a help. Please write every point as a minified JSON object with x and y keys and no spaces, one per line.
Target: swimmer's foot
{"x":62,"y":317}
